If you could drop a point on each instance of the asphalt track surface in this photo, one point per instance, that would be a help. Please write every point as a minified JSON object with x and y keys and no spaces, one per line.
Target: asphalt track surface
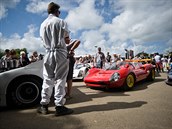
{"x":147,"y":106}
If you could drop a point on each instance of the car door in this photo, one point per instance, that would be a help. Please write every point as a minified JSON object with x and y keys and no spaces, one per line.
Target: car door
{"x":139,"y":71}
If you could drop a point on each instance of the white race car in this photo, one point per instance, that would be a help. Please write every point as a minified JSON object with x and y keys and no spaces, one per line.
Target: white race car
{"x":80,"y":70}
{"x":21,"y":87}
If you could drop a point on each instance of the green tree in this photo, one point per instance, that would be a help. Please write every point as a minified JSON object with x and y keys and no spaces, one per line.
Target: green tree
{"x":143,"y":54}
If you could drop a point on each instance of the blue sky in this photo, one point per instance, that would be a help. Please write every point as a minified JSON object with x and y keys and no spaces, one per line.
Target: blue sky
{"x":114,"y":25}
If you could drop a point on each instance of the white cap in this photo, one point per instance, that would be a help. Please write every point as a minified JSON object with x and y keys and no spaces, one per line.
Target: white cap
{"x":22,"y":52}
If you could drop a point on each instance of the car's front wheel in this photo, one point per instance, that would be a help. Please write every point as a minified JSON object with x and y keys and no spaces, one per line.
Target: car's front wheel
{"x":129,"y":82}
{"x":24,"y":92}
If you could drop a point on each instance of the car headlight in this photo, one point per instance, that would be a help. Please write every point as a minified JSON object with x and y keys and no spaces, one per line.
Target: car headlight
{"x":81,"y":72}
{"x":115,"y":77}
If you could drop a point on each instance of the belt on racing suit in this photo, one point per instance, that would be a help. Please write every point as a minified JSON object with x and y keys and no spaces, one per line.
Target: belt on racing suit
{"x":52,"y":50}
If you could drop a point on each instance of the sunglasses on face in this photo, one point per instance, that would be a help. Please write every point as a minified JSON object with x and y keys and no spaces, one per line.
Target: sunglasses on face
{"x":58,"y":11}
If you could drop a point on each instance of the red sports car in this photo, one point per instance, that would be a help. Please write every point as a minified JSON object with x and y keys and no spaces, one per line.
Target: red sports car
{"x":123,"y":74}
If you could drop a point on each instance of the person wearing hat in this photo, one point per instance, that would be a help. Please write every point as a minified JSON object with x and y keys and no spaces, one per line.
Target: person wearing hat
{"x":23,"y":60}
{"x":56,"y":64}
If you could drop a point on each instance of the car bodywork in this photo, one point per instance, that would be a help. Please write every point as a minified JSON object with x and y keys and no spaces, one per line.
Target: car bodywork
{"x":123,"y":74}
{"x":21,"y":87}
{"x":169,"y":77}
{"x":80,"y":70}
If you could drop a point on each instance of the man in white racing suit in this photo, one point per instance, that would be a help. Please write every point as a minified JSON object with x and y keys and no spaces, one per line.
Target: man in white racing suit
{"x":56,"y":65}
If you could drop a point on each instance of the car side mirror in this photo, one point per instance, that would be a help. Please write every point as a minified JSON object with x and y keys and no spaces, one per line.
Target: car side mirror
{"x":126,"y":65}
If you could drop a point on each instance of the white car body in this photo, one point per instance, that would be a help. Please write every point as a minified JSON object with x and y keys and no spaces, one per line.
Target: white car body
{"x":14,"y":82}
{"x":80,"y":70}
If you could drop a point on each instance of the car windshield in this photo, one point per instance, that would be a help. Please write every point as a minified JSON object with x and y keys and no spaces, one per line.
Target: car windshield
{"x":136,"y":64}
{"x":78,"y":66}
{"x":114,"y":65}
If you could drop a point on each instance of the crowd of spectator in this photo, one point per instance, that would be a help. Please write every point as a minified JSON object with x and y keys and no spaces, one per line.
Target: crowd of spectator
{"x":162,"y":62}
{"x":12,"y":60}
{"x":99,"y":59}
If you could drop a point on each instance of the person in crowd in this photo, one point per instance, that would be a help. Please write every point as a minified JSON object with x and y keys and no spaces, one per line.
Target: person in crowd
{"x":164,"y":61}
{"x":23,"y":60}
{"x":99,"y":58}
{"x":71,"y":46}
{"x":90,"y":58}
{"x":14,"y":62}
{"x":41,"y":56}
{"x":56,"y":64}
{"x":7,"y":55}
{"x":115,"y":57}
{"x":108,"y":57}
{"x":81,"y":60}
{"x":120,"y":58}
{"x":13,"y":54}
{"x":158,"y":62}
{"x":86,"y":59}
{"x":5,"y":60}
{"x":34,"y":57}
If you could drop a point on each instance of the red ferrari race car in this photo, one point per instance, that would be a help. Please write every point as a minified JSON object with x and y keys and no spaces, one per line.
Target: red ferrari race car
{"x":123,"y":74}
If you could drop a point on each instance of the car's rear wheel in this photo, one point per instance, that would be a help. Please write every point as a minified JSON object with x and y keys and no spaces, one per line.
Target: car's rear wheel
{"x":151,"y":76}
{"x":24,"y":92}
{"x":129,"y":82}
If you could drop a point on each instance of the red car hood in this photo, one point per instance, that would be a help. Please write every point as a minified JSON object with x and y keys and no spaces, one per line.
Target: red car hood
{"x":104,"y":75}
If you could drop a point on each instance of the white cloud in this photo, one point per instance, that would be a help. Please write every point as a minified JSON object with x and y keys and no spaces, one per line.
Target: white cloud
{"x":132,"y":24}
{"x":91,"y":39}
{"x":169,"y":44}
{"x":40,"y":6}
{"x":84,"y":17}
{"x":141,"y":22}
{"x":28,"y":41}
{"x":5,"y":5}
{"x":140,"y":25}
{"x":36,"y":6}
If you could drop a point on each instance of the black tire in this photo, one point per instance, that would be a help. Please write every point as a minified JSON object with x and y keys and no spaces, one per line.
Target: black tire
{"x":151,"y":76}
{"x":129,"y":82}
{"x":25,"y":92}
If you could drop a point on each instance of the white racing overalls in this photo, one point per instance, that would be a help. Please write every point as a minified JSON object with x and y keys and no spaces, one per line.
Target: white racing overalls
{"x":56,"y":65}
